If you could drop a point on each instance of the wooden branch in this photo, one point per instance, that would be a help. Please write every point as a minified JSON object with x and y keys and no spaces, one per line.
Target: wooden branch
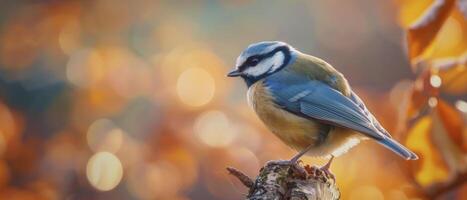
{"x":279,"y":181}
{"x":247,"y":181}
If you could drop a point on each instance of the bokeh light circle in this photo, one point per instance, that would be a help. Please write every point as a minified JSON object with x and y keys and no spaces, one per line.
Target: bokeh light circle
{"x":432,"y":102}
{"x":461,"y":105}
{"x":214,"y":129}
{"x":195,"y":87}
{"x":435,"y":81}
{"x":104,"y":171}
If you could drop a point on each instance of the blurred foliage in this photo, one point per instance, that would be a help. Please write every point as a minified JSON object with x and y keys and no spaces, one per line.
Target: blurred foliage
{"x":438,"y":131}
{"x":112,"y":99}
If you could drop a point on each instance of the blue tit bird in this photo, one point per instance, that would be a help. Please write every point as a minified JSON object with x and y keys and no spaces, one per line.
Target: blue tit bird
{"x":307,"y":103}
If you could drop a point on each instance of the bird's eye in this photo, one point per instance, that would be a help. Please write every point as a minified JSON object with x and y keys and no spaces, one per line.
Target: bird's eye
{"x":254,"y":62}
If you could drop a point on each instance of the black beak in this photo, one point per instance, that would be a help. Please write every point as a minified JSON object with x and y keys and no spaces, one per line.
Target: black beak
{"x":234,"y":73}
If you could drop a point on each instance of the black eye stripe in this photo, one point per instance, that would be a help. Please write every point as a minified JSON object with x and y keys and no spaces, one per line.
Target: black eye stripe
{"x":253,"y":61}
{"x":249,"y":61}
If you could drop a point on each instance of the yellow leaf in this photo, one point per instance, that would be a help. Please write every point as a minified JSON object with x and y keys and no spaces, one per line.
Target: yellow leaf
{"x":410,"y":10}
{"x":421,"y":33}
{"x":431,"y":167}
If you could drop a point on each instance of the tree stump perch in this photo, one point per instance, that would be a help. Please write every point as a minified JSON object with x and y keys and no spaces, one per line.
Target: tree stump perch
{"x":277,"y":181}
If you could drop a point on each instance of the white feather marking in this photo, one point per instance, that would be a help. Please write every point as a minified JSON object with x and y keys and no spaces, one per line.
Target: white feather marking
{"x":267,"y":65}
{"x":299,"y":96}
{"x":351,"y":142}
{"x":277,"y":60}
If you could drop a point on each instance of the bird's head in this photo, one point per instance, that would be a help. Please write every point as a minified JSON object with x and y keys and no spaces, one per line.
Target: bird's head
{"x":262,"y":59}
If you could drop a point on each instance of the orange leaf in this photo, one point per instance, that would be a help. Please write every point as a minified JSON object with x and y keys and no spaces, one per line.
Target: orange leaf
{"x":452,"y":121}
{"x":417,"y":101}
{"x":421,"y":33}
{"x":447,"y":135}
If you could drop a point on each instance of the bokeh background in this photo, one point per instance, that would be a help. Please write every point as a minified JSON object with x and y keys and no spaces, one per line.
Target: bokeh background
{"x":113,"y":99}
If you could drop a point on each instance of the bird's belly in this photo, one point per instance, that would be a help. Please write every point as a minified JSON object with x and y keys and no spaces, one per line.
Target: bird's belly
{"x":298,"y":132}
{"x":295,"y":131}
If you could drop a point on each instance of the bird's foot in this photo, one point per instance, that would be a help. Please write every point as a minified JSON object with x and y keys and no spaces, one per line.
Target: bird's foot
{"x":327,"y":169}
{"x":320,"y":172}
{"x":328,"y":173}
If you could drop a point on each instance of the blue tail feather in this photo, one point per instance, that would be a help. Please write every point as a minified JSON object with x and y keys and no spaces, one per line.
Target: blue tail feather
{"x":398,"y":148}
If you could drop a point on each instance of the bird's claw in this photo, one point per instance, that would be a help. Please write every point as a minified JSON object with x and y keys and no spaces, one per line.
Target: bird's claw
{"x":320,"y":172}
{"x":328,"y":173}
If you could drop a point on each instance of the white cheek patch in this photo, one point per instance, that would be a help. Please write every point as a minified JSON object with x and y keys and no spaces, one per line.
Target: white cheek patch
{"x":257,"y":70}
{"x":276,"y":61}
{"x":268,"y":65}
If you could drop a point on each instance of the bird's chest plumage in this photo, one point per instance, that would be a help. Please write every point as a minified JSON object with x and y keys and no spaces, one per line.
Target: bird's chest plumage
{"x":295,"y":131}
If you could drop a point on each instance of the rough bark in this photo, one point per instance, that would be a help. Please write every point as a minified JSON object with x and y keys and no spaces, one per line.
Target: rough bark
{"x":278,"y":181}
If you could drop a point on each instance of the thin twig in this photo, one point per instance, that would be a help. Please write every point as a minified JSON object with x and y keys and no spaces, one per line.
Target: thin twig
{"x":247,"y":181}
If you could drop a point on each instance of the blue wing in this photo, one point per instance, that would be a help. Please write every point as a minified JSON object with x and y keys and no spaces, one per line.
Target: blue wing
{"x":313,"y":99}
{"x":362,"y":106}
{"x":316,"y":100}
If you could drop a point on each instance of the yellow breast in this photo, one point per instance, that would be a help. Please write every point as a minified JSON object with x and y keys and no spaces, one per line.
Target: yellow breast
{"x":297,"y":132}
